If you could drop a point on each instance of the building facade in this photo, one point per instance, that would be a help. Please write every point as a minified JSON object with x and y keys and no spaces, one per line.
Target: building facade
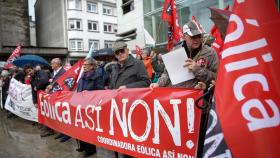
{"x":147,"y":14}
{"x":14,"y":26}
{"x":76,"y":24}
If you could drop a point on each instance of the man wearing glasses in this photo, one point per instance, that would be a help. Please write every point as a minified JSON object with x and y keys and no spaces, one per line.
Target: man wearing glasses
{"x":129,"y":72}
{"x":202,"y":60}
{"x":90,"y":80}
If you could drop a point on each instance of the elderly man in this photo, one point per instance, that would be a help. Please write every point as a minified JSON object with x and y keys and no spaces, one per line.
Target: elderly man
{"x":203,"y":60}
{"x":91,"y":79}
{"x":129,"y":72}
{"x":58,"y":70}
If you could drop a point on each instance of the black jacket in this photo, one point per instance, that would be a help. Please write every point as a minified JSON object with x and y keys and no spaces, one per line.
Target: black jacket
{"x":60,"y":72}
{"x":39,"y":81}
{"x":132,"y":74}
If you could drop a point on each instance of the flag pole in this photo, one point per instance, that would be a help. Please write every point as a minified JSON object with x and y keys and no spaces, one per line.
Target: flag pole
{"x":158,"y":30}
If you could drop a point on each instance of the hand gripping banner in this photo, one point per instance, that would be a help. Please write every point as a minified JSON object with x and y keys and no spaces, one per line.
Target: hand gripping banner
{"x":162,"y":122}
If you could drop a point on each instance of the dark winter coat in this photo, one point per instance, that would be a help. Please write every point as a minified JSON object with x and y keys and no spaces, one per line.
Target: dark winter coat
{"x":60,"y":72}
{"x":91,"y":80}
{"x":39,"y":81}
{"x":132,"y":74}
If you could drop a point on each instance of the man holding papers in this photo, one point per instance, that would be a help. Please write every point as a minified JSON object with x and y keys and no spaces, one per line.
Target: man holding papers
{"x":202,"y":60}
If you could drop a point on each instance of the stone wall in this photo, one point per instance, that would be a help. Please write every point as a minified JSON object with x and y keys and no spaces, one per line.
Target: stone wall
{"x":14,"y":23}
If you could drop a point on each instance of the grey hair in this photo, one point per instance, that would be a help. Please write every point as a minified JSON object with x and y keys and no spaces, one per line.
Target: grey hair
{"x":57,"y":60}
{"x":90,"y":60}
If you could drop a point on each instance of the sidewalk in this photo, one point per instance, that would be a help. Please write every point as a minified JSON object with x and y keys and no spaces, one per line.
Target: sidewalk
{"x":20,"y":139}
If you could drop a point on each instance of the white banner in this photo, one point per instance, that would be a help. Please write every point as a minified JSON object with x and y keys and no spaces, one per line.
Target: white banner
{"x":1,"y":104}
{"x":19,"y":101}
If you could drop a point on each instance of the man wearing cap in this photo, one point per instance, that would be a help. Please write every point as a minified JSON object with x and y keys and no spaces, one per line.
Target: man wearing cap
{"x":129,"y":72}
{"x":202,"y":59}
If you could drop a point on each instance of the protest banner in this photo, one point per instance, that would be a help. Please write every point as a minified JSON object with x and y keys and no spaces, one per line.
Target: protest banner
{"x":214,"y":144}
{"x":19,"y":101}
{"x":1,"y":104}
{"x":141,"y":122}
{"x":248,"y":106}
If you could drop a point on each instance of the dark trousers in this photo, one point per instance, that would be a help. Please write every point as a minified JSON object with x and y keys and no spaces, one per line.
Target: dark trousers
{"x":89,"y":148}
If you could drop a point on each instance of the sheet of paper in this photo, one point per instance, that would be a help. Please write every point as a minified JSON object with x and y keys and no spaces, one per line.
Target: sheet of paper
{"x":174,"y":62}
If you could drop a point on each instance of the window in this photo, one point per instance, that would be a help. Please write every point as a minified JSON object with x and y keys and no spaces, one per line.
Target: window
{"x":76,"y":44}
{"x":127,"y":6}
{"x":92,"y":7}
{"x":110,"y":28}
{"x":95,"y":44}
{"x":75,"y":24}
{"x":92,"y":25}
{"x":75,"y":4}
{"x":107,"y":10}
{"x":115,"y":28}
{"x":108,"y":44}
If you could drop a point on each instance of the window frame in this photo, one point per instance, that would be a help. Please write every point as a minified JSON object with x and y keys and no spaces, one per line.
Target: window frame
{"x":92,"y":3}
{"x":113,"y":27}
{"x":91,"y":22}
{"x":75,"y":47}
{"x":106,"y":7}
{"x":127,"y":6}
{"x":75,"y":7}
{"x":93,"y":40}
{"x":75,"y":24}
{"x":109,"y":43}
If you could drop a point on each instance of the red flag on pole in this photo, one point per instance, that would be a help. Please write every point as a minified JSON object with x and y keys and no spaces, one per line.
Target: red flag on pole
{"x":68,"y":81}
{"x":248,"y":106}
{"x":15,"y":54}
{"x":138,"y":50}
{"x":219,"y":42}
{"x":198,"y":25}
{"x":169,"y":14}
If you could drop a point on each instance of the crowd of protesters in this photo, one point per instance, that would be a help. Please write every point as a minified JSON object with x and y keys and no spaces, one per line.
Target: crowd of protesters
{"x":119,"y":72}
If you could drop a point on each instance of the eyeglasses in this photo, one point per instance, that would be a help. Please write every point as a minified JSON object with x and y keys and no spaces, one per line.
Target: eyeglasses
{"x":87,"y":64}
{"x":119,"y":51}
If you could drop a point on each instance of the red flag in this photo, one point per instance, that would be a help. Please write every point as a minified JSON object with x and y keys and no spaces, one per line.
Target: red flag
{"x":138,"y":50}
{"x":248,"y":106}
{"x":67,"y":66}
{"x":68,"y":81}
{"x":169,"y":14}
{"x":219,"y":42}
{"x":14,"y":55}
{"x":198,"y":25}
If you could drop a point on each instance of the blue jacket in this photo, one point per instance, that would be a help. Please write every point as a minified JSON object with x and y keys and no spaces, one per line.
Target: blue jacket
{"x":91,"y":80}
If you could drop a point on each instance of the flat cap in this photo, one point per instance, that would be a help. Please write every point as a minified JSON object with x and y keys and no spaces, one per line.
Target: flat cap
{"x":193,"y":28}
{"x":118,"y":46}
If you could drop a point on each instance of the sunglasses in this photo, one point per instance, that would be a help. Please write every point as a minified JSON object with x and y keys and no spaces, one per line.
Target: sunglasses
{"x":87,"y":64}
{"x":121,"y":51}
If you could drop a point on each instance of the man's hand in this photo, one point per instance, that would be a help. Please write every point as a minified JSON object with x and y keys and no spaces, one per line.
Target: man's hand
{"x":200,"y":85}
{"x":154,"y":85}
{"x":122,"y":87}
{"x":48,"y":89}
{"x":190,"y":64}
